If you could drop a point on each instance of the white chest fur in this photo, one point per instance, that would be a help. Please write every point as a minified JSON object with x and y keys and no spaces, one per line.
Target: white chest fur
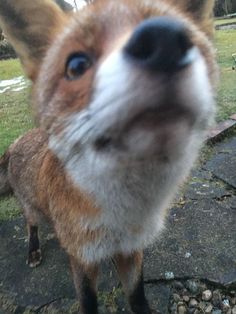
{"x":133,"y":200}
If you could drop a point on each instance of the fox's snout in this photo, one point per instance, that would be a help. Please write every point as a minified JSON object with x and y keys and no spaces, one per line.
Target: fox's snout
{"x":161,"y":47}
{"x":160,"y":44}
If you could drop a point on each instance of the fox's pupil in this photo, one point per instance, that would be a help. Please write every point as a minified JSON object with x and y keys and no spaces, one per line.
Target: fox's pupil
{"x":76,"y":65}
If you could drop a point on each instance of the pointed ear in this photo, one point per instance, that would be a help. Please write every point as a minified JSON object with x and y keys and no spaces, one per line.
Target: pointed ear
{"x":202,"y":12}
{"x":31,"y":26}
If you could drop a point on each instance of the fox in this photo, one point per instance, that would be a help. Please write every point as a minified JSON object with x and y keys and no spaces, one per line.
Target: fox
{"x":123,"y":93}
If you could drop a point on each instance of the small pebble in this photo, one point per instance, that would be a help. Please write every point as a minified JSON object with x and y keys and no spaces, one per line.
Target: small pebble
{"x":180,"y":303}
{"x":182,"y":309}
{"x":233,"y":300}
{"x":206,"y":295}
{"x":178,"y":285}
{"x":229,"y":311}
{"x":216,"y":312}
{"x":173,"y":308}
{"x":187,"y":254}
{"x":234,"y":310}
{"x":193,"y":303}
{"x":225,"y":305}
{"x":186,"y":298}
{"x":202,"y":306}
{"x":169,"y":275}
{"x":192,"y":286}
{"x":202,"y":287}
{"x":216,"y":298}
{"x":176,"y":297}
{"x":225,"y":302}
{"x":208,"y":309}
{"x":184,"y":291}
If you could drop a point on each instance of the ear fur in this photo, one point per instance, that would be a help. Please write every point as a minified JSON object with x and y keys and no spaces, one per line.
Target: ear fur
{"x":201,"y":11}
{"x":30,"y":26}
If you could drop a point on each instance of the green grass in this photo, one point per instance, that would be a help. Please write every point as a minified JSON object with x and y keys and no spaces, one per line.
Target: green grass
{"x":225,"y":21}
{"x":225,"y":41}
{"x":15,"y":119}
{"x":9,"y":208}
{"x":10,"y":68}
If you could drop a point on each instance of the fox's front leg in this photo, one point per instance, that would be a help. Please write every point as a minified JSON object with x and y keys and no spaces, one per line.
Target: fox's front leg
{"x":130,"y":270}
{"x":34,"y":252}
{"x":85,"y":278}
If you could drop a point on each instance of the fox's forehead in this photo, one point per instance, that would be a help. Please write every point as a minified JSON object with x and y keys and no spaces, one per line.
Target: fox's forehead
{"x":97,"y":26}
{"x":98,"y":29}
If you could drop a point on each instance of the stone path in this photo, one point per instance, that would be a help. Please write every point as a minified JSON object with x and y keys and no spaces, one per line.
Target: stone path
{"x":197,"y":249}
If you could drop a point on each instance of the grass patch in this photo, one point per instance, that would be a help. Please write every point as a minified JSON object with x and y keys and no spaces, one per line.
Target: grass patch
{"x":15,"y":117}
{"x":9,"y":208}
{"x":225,"y":21}
{"x":15,"y":113}
{"x":226,"y":97}
{"x":10,"y":68}
{"x":225,"y":41}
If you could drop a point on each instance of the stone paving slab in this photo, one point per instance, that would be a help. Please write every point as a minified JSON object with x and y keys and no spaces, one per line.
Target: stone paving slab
{"x":51,"y":282}
{"x":32,"y":286}
{"x":221,"y":129}
{"x":223,"y":164}
{"x":199,"y":242}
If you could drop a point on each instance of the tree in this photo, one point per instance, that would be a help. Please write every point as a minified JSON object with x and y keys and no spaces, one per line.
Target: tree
{"x":65,"y":6}
{"x":1,"y":34}
{"x":224,"y":7}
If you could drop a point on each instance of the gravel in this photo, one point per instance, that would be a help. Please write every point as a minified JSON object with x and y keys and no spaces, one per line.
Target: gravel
{"x":195,"y":297}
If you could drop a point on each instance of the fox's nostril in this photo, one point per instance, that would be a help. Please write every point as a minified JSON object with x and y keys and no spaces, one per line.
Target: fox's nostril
{"x":160,"y":44}
{"x":102,"y":142}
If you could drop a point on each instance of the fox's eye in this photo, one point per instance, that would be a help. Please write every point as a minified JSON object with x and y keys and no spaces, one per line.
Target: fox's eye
{"x":76,"y":65}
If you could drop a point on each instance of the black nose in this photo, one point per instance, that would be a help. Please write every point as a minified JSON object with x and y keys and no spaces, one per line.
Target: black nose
{"x":160,"y":44}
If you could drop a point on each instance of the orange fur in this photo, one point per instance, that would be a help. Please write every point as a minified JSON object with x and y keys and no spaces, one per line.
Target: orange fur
{"x":26,"y":23}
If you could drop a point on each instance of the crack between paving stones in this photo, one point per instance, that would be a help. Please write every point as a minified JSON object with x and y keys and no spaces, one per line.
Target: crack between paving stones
{"x":216,"y":198}
{"x":215,"y":284}
{"x":228,"y":186}
{"x":46,"y":304}
{"x":223,"y":197}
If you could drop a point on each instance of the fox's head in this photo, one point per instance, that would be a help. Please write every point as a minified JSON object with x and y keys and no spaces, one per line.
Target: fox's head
{"x":117,"y":81}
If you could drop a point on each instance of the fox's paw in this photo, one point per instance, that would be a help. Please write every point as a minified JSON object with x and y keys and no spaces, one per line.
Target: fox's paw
{"x":34,"y":258}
